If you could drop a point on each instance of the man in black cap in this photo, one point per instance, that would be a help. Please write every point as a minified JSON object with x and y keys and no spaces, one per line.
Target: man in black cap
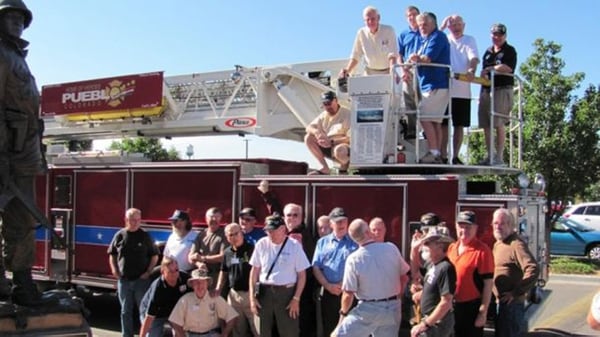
{"x":328,"y":135}
{"x":279,"y":266}
{"x":438,"y":286}
{"x":180,"y":241}
{"x":499,"y":59}
{"x":328,"y":267}
{"x":247,"y":221}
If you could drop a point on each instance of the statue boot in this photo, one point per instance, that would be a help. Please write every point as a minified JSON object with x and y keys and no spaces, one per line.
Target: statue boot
{"x":25,"y":292}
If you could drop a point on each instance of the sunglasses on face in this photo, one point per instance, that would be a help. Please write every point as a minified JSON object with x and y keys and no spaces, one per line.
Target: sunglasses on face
{"x":291,"y":215}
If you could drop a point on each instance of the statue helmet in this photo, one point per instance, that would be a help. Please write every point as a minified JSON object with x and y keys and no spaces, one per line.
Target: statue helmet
{"x":17,"y":5}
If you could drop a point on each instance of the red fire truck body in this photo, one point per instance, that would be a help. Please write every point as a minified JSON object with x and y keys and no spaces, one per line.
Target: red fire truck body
{"x":86,"y":204}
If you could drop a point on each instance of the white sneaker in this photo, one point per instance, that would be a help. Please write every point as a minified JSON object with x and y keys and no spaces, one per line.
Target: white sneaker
{"x":498,"y":161}
{"x":430,"y":158}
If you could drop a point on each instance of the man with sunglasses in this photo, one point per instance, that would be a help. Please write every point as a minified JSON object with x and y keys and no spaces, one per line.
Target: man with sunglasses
{"x":279,"y":264}
{"x":297,"y":229}
{"x":180,"y":241}
{"x":236,"y":269}
{"x":328,"y":135}
{"x":247,"y":221}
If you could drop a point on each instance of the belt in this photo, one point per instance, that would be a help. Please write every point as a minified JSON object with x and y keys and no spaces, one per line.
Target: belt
{"x":384,"y":69}
{"x":193,"y":333}
{"x":275,"y":286}
{"x":391,"y":298}
{"x":497,"y":87}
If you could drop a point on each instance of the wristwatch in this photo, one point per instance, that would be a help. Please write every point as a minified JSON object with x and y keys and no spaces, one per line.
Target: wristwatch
{"x":343,"y":313}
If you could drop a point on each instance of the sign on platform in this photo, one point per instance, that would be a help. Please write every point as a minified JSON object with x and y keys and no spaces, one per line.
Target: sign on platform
{"x":103,"y":95}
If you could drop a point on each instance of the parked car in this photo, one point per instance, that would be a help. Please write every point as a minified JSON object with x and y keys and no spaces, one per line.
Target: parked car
{"x":587,"y":213}
{"x":569,"y":237}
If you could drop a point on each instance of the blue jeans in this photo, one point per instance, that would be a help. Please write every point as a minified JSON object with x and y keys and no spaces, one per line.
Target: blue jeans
{"x":130,"y":294}
{"x":157,"y":328}
{"x":378,"y":319}
{"x":510,"y":321}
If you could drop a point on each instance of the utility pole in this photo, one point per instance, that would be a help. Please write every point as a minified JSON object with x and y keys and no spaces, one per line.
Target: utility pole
{"x":246,"y":141}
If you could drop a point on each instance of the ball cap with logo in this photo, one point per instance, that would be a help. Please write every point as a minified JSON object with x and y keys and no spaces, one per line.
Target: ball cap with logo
{"x":273,"y":222}
{"x":337,"y":214}
{"x":498,"y":28}
{"x":179,"y":215}
{"x":466,"y":217}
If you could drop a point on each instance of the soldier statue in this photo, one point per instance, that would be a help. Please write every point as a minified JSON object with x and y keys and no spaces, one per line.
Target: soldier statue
{"x":20,"y":157}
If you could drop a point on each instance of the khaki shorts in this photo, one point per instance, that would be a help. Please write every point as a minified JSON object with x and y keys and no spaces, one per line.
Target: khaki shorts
{"x":503,"y":104}
{"x":433,"y":105}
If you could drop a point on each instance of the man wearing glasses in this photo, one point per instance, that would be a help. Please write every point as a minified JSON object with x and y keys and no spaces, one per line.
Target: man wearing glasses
{"x":297,"y":229}
{"x":247,"y":221}
{"x":328,"y":135}
{"x":279,"y":265}
{"x":180,"y":241}
{"x":236,"y":267}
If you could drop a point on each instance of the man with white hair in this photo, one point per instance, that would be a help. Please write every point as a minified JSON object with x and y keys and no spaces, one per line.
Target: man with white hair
{"x":376,"y":275}
{"x":432,"y":48}
{"x":376,"y":43}
{"x":463,"y":60}
{"x":515,"y":273}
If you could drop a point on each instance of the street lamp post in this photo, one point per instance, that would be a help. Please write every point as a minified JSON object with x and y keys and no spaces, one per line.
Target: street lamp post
{"x":246,"y":141}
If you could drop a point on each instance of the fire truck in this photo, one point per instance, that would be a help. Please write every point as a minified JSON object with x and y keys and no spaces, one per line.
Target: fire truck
{"x":85,"y":195}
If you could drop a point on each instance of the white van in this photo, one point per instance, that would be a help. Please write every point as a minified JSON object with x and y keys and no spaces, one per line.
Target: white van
{"x":587,"y":213}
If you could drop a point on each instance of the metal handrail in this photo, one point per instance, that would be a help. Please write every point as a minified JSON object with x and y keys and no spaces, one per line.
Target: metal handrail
{"x":416,"y":90}
{"x":512,"y":120}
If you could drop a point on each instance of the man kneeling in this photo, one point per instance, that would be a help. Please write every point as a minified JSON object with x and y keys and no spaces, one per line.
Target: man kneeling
{"x":328,"y":135}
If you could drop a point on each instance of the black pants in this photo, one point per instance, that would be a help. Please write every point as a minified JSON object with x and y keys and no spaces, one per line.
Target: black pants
{"x":330,"y":311}
{"x":465,"y":314}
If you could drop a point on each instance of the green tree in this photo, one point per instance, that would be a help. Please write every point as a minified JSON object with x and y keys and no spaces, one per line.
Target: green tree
{"x":79,"y":145}
{"x":151,"y":148}
{"x":560,"y":133}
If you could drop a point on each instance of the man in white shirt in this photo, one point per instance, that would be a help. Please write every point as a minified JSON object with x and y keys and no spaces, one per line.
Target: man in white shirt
{"x":180,"y":241}
{"x":376,"y":43}
{"x":463,"y":60}
{"x":279,"y":267}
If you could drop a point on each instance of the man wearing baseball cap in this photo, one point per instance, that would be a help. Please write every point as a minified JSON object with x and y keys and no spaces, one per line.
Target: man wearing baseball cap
{"x":328,"y":135}
{"x":180,"y":241}
{"x":438,"y":288}
{"x":474,"y":264}
{"x":197,"y":314}
{"x":247,"y":221}
{"x":498,"y":60}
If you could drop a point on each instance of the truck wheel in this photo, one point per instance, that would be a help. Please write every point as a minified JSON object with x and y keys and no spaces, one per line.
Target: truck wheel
{"x":594,"y":252}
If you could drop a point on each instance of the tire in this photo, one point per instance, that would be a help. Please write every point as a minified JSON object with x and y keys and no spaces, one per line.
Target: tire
{"x":594,"y":252}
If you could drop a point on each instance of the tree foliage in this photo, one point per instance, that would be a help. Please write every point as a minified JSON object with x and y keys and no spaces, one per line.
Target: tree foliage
{"x":151,"y":148}
{"x":561,"y":131}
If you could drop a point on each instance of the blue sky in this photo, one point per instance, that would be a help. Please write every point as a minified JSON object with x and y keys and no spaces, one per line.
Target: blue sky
{"x":80,"y":40}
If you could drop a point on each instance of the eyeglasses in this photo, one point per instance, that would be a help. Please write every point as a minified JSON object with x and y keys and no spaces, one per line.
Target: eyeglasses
{"x":247,"y":219}
{"x":327,"y":103}
{"x":292,"y":215}
{"x":233,"y":234}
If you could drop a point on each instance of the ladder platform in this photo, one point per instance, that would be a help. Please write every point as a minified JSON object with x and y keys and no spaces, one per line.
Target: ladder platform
{"x":435,"y":169}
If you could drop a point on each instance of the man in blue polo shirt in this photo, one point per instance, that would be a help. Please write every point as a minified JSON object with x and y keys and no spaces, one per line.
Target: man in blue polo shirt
{"x":433,"y":50}
{"x":407,"y":42}
{"x":328,"y":267}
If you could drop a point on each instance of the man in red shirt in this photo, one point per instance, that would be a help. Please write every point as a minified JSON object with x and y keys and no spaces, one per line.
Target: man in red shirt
{"x":474,"y":264}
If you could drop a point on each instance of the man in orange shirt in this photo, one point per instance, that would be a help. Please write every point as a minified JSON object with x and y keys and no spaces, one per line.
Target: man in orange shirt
{"x":474,"y":264}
